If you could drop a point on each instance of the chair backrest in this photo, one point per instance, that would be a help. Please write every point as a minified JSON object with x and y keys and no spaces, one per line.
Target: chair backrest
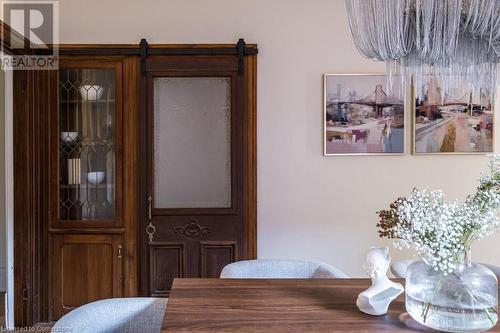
{"x":398,"y":268}
{"x":117,"y":315}
{"x":280,"y":269}
{"x":494,"y":269}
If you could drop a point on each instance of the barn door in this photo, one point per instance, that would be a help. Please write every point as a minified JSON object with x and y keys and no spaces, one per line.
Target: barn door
{"x":199,"y":170}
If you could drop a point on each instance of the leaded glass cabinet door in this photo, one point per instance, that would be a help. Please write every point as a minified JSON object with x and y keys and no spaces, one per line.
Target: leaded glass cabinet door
{"x":89,"y":145}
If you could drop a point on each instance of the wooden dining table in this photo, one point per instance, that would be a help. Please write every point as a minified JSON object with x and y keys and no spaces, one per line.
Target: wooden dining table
{"x":275,"y":306}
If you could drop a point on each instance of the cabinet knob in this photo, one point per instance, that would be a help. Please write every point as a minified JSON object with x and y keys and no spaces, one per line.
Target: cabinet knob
{"x":119,"y":251}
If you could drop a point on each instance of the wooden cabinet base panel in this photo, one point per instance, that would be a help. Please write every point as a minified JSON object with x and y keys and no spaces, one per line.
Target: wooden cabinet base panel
{"x":85,"y":268}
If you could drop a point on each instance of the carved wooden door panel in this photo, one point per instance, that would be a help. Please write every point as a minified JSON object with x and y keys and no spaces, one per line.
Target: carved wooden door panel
{"x":198,"y":170}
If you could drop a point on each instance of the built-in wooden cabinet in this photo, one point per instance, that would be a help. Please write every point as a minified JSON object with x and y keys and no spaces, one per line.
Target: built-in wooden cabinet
{"x":134,"y":165}
{"x":86,"y":218}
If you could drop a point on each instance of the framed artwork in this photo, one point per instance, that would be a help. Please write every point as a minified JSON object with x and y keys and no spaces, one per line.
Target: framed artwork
{"x":452,"y":122}
{"x":364,"y":114}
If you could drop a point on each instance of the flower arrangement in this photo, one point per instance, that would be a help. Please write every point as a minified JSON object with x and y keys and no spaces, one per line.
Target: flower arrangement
{"x":442,"y":232}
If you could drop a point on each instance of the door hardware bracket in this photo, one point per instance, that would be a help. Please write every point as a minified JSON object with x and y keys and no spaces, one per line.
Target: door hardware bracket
{"x":240,"y":47}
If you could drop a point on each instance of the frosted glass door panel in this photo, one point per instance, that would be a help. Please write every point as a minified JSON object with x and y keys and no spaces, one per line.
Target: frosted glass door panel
{"x":192,"y":142}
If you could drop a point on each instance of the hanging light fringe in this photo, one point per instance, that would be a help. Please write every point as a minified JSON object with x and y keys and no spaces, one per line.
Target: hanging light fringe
{"x":458,"y":41}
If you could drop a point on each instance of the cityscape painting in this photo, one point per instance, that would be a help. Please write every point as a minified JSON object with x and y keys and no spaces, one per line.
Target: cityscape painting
{"x":364,"y":114}
{"x":455,"y":121}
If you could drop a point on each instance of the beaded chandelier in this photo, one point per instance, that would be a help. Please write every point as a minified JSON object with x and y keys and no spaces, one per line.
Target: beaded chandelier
{"x":458,"y":41}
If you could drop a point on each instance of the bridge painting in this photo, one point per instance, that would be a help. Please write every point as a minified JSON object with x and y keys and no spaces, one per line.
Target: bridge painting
{"x":455,"y":121}
{"x":363,"y":115}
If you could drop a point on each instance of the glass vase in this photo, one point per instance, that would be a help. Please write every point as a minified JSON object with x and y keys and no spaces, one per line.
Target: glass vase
{"x":465,"y":300}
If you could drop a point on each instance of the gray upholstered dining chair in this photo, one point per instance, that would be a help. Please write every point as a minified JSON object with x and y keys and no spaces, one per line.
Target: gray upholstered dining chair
{"x":116,"y":315}
{"x":398,"y":268}
{"x":280,"y":269}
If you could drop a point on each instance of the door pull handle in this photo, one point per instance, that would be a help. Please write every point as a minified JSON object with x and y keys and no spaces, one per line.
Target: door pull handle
{"x":150,"y":229}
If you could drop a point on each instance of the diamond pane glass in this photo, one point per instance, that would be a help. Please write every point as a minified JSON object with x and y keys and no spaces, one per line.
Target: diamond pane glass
{"x":86,"y":144}
{"x":192,"y":142}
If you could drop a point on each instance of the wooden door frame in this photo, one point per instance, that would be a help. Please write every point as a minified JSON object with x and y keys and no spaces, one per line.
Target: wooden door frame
{"x":25,"y":210}
{"x":247,"y":71}
{"x":31,"y":219}
{"x":10,"y":37}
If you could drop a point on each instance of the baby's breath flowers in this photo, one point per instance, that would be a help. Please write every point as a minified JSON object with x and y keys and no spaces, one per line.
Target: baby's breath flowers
{"x":441,"y":232}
